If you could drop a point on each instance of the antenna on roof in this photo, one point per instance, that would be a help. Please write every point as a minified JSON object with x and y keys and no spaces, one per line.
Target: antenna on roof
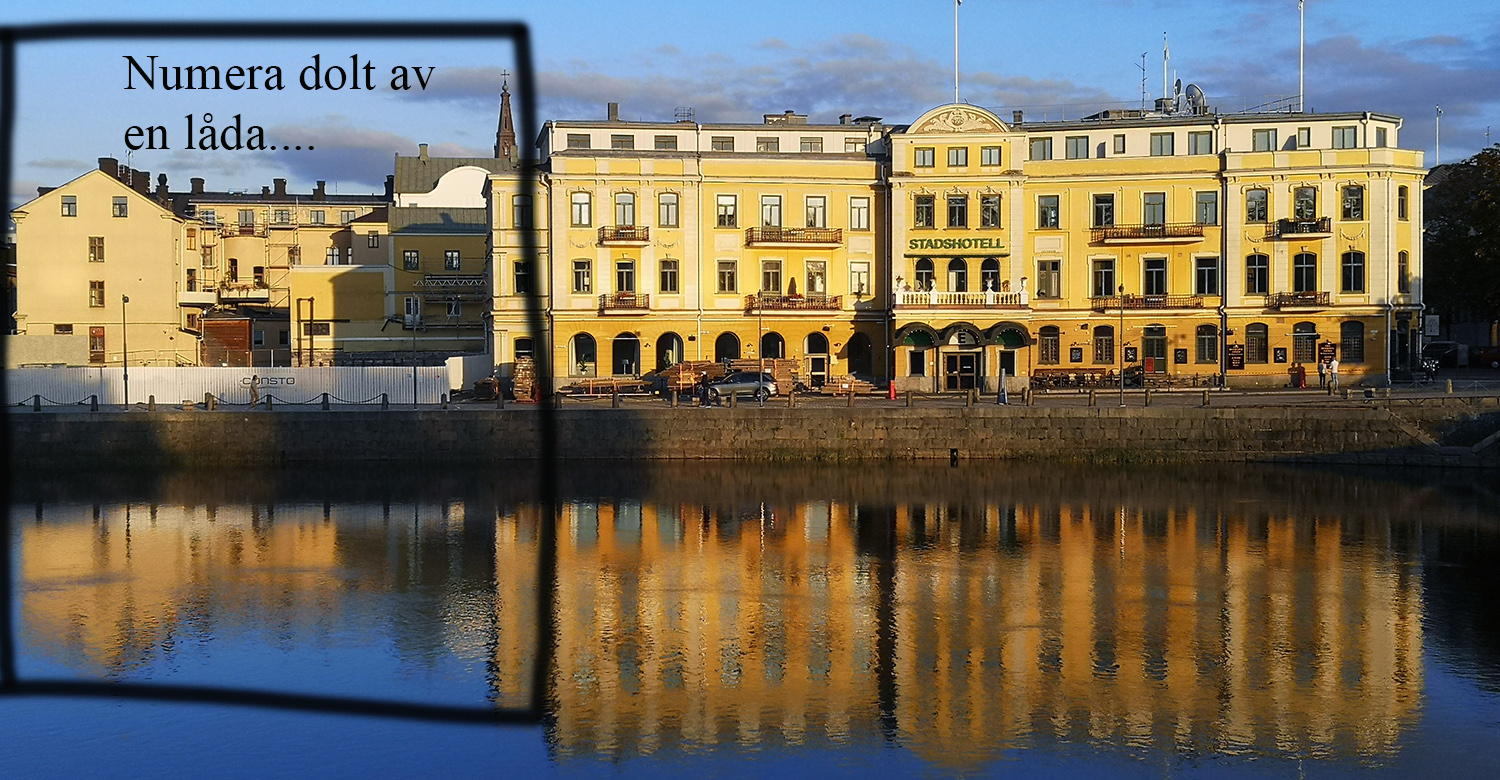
{"x":1142,"y":66}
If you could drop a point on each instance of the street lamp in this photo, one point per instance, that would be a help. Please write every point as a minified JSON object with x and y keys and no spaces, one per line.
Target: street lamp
{"x":125,"y":349}
{"x":1120,"y":345}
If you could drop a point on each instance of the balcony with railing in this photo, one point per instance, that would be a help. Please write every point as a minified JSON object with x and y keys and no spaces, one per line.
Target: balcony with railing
{"x":1308,"y":299}
{"x":244,"y":229}
{"x":1321,"y":227}
{"x":775,"y":302}
{"x":624,"y":234}
{"x":244,"y":291}
{"x":1107,"y":302}
{"x":935,"y":299}
{"x":1164,"y":233}
{"x":786,"y":235}
{"x":624,"y":303}
{"x":205,"y":297}
{"x":453,"y":287}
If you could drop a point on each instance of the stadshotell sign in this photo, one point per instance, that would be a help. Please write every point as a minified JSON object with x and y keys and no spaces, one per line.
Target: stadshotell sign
{"x":960,"y":244}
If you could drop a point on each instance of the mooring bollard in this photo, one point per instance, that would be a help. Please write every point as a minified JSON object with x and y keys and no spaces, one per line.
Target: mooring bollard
{"x":500,"y":399}
{"x":1450,"y":387}
{"x":93,"y":403}
{"x":268,"y":402}
{"x":851,"y":396}
{"x":969,"y":398}
{"x":1091,"y":397}
{"x":614,"y":399}
{"x":325,"y":402}
{"x":444,"y":400}
{"x":557,"y":400}
{"x":385,"y":401}
{"x":1330,"y":389}
{"x":791,"y":398}
{"x":673,"y":399}
{"x":1205,"y":398}
{"x":908,"y":399}
{"x":734,"y":400}
{"x":150,"y":403}
{"x":1346,"y":394}
{"x":1029,"y":396}
{"x":36,"y":402}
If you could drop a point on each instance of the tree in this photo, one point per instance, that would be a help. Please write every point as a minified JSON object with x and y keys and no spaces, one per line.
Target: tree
{"x":1462,"y":244}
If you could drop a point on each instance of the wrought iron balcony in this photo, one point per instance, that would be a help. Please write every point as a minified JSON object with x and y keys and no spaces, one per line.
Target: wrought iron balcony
{"x":786,"y":235}
{"x":1303,"y":228}
{"x":1310,"y":299}
{"x":1175,"y":232}
{"x":625,"y":302}
{"x":624,"y":234}
{"x":1106,"y":302}
{"x":775,"y":302}
{"x":933,"y":299}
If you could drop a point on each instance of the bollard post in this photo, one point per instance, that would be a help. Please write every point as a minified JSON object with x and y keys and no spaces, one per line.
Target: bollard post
{"x":1330,"y":389}
{"x":1205,"y":398}
{"x":557,"y":399}
{"x":969,"y":398}
{"x":1030,"y":397}
{"x":1346,"y":394}
{"x":672,"y":399}
{"x":150,"y":403}
{"x":385,"y":401}
{"x":208,"y":402}
{"x":791,"y":398}
{"x":1092,"y":399}
{"x":268,"y":402}
{"x":94,"y":403}
{"x":36,"y":402}
{"x":445,"y":400}
{"x":325,"y":402}
{"x":734,"y":400}
{"x":614,"y":399}
{"x":908,"y":399}
{"x":1148,"y":396}
{"x":500,"y":400}
{"x":1450,"y":387}
{"x":851,"y":396}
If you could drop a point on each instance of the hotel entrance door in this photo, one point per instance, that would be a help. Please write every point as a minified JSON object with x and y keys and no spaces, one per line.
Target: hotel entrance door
{"x":960,"y":371}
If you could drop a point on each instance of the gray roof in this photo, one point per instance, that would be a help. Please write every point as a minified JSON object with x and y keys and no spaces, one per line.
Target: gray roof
{"x":419,"y":219}
{"x":421,"y":174}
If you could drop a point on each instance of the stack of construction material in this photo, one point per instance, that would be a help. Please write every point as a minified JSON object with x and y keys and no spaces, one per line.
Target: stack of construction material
{"x":683,"y":376}
{"x":783,"y":370}
{"x":843,"y":384}
{"x":525,"y":379}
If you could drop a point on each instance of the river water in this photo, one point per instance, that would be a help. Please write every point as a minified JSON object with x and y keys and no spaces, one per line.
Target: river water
{"x":746,"y":621}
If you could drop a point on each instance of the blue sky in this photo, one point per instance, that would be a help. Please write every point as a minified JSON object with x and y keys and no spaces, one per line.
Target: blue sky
{"x":735,"y":60}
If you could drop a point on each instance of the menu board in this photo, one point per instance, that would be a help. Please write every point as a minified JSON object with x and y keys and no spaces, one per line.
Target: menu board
{"x":1236,"y":357}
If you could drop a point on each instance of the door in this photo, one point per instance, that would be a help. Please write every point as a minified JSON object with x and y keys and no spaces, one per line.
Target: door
{"x":1154,"y":349}
{"x":817,"y":370}
{"x":960,"y":371}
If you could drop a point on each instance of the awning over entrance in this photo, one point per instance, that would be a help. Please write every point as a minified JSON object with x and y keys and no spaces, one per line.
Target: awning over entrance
{"x":1012,"y":335}
{"x":920,"y":334}
{"x":967,"y":333}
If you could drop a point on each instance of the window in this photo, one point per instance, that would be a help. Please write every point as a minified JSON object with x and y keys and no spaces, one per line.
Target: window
{"x":331,"y":257}
{"x":346,"y":216}
{"x":854,"y":145}
{"x":247,"y":218}
{"x":411,"y":306}
{"x":96,"y":249}
{"x":585,"y":355}
{"x":62,"y":330}
{"x":666,"y":143}
{"x":770,"y":210}
{"x":925,"y":213}
{"x":1104,"y":344}
{"x":989,"y":155}
{"x":316,"y":217}
{"x":765,"y":144}
{"x":70,"y":205}
{"x":583,"y":276}
{"x":1208,"y":344}
{"x":258,"y":338}
{"x":1257,"y":274}
{"x":455,"y":309}
{"x":1049,"y":278}
{"x":96,"y":294}
{"x":1304,"y":138}
{"x":1046,"y":211}
{"x":1304,"y":342}
{"x":206,"y":256}
{"x":1401,"y":200}
{"x":1352,"y":341}
{"x":192,"y":238}
{"x":666,"y":209}
{"x":521,"y":277}
{"x":284,"y":338}
{"x":1155,"y":280}
{"x":1206,"y":208}
{"x":1346,"y":137}
{"x":669,"y":276}
{"x":1104,"y":278}
{"x":817,"y":277}
{"x":409,"y":260}
{"x":1120,"y":144}
{"x":727,"y":211}
{"x":770,"y":276}
{"x":1380,"y":137}
{"x":1353,"y":277}
{"x":721,"y":143}
{"x":450,"y":260}
{"x":1050,"y":342}
{"x":727,"y":280}
{"x":958,"y":157}
{"x":916,"y":360}
{"x":1076,"y":147}
{"x":258,"y":275}
{"x":578,"y":140}
{"x":1305,"y":272}
{"x":234,"y":268}
{"x":1403,"y":272}
{"x":926,"y":157}
{"x":1263,"y":140}
{"x":1104,"y":211}
{"x":1257,"y":341}
{"x":372,"y":241}
{"x":1305,"y":204}
{"x":817,"y":211}
{"x":625,"y":208}
{"x":989,"y":274}
{"x":1201,"y":143}
{"x":208,"y":217}
{"x":96,"y":344}
{"x":582,"y":210}
{"x":625,"y":276}
{"x":520,"y":212}
{"x":1161,"y":144}
{"x":622,"y":141}
{"x":119,"y":206}
{"x":1154,"y":208}
{"x":958,"y":275}
{"x":192,"y":280}
{"x":859,"y":278}
{"x":859,"y":213}
{"x":813,"y":145}
{"x":293,"y":255}
{"x":1041,"y":148}
{"x":348,"y":255}
{"x":1354,"y":202}
{"x":924,"y":274}
{"x":1257,"y":205}
{"x":989,"y":211}
{"x":1206,"y":276}
{"x":958,"y":211}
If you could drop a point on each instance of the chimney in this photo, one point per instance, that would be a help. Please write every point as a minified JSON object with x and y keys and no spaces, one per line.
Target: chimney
{"x":265,"y":192}
{"x":142,"y":183}
{"x":280,"y":186}
{"x":1017,"y":117}
{"x":197,"y":185}
{"x":390,"y":186}
{"x":110,"y":166}
{"x":614,"y":111}
{"x":421,"y":151}
{"x":845,"y":119}
{"x":161,"y":186}
{"x":318,"y":193}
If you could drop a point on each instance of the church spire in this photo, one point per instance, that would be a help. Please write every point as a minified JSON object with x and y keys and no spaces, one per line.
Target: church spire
{"x":505,"y":136}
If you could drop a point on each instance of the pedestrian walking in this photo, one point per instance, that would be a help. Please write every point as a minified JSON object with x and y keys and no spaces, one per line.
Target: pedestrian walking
{"x":1333,"y":373}
{"x":254,"y":391}
{"x":1322,"y":374}
{"x":1301,"y":377}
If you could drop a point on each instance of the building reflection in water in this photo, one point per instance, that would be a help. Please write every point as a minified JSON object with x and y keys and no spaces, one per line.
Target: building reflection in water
{"x":1260,"y":616}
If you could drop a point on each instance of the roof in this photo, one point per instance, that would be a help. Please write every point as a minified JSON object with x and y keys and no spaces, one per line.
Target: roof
{"x":417,"y":219}
{"x":421,"y":174}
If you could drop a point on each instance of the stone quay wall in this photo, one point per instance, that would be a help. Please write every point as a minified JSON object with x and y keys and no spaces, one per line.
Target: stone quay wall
{"x":1361,"y":434}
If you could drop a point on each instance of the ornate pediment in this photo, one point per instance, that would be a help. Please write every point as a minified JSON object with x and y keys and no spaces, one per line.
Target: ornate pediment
{"x":959,"y":119}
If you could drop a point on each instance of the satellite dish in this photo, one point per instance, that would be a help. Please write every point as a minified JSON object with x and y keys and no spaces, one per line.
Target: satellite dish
{"x":1177,"y":88}
{"x":1196,"y":99}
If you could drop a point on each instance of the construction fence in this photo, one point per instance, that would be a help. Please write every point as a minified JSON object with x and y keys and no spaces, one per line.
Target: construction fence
{"x":348,"y":384}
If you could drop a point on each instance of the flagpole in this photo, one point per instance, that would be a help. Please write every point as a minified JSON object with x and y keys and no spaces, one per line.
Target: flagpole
{"x":1438,"y":132}
{"x":1166,"y":57}
{"x":1301,"y":46}
{"x":956,"y":4}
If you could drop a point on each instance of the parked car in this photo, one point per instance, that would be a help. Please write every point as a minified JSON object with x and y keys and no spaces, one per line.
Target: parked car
{"x":1448,"y":354}
{"x":1488,"y":356}
{"x":754,"y":384}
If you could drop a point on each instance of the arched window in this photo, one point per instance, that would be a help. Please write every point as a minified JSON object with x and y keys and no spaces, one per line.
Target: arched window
{"x":726,"y":347}
{"x":668,"y":350}
{"x":1050,"y":341}
{"x":1104,"y":344}
{"x":861,"y":355}
{"x":1257,"y":340}
{"x":1353,"y":276}
{"x":1305,"y":272}
{"x":989,"y":275}
{"x":958,"y":275}
{"x":1257,"y":274}
{"x":1304,"y":342}
{"x":583,"y":355}
{"x":1305,"y":204}
{"x":1208,"y":344}
{"x":772,"y":346}
{"x":625,"y":355}
{"x":817,"y":344}
{"x":924,"y":274}
{"x":625,"y":208}
{"x":1352,"y":341}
